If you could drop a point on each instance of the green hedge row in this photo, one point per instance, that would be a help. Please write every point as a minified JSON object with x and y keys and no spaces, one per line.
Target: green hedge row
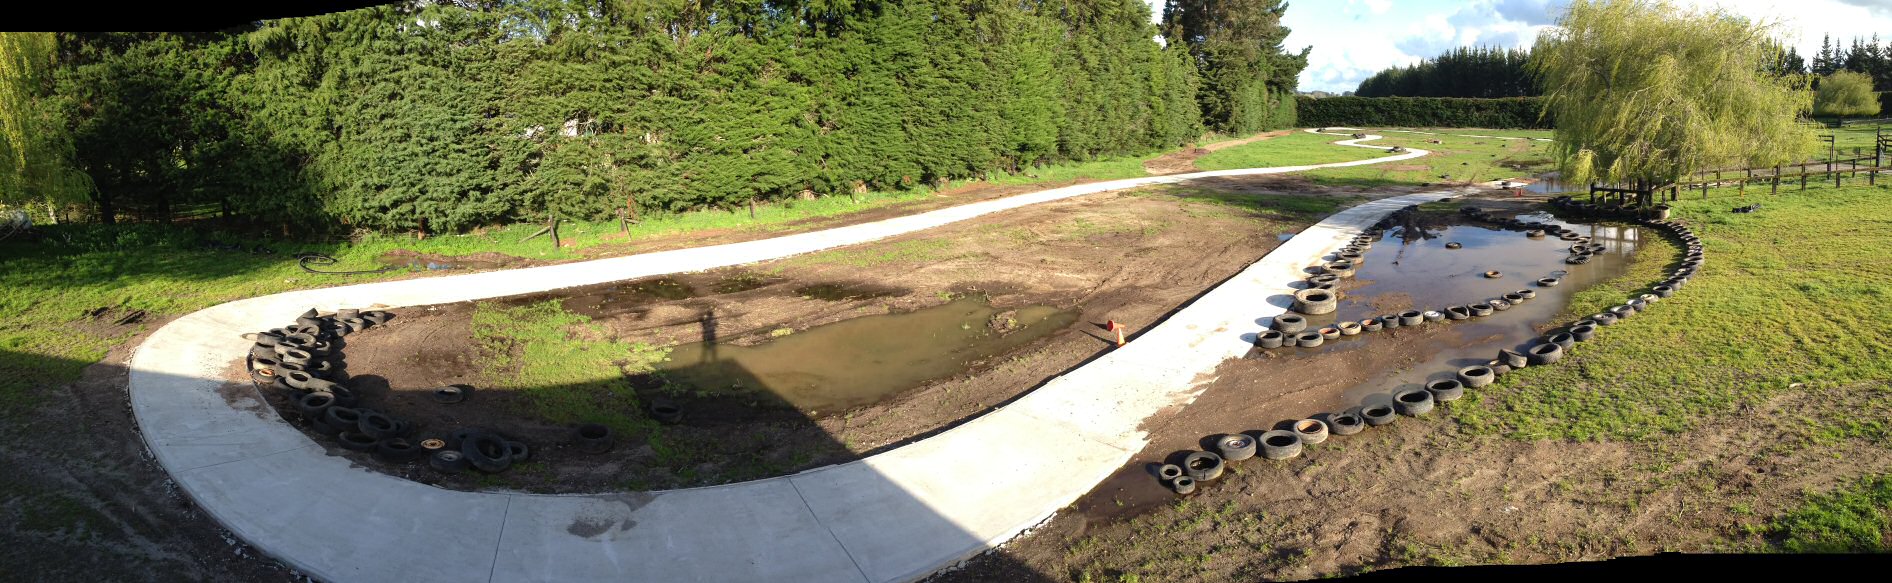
{"x":1452,"y":112}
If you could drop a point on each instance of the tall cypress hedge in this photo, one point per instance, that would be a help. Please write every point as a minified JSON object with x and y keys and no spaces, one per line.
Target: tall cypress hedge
{"x":1450,"y":112}
{"x":455,"y":115}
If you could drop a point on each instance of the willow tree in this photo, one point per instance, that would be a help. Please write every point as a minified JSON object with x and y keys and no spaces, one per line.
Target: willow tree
{"x":1846,"y":94}
{"x":34,"y":159}
{"x":1643,"y":93}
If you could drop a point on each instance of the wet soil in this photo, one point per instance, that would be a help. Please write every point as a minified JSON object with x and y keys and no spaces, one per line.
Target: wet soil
{"x":1060,"y":269}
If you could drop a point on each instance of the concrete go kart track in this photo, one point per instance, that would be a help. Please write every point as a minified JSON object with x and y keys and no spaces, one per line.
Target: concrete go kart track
{"x":895,"y":516}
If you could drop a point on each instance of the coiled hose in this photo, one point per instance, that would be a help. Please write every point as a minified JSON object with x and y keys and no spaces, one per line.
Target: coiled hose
{"x":305,"y":260}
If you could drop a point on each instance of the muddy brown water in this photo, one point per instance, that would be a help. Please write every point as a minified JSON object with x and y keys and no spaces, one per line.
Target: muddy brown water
{"x":1414,"y":270}
{"x":862,"y":360}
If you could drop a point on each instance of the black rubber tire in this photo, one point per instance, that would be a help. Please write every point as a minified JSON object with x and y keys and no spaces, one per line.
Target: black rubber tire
{"x":1535,"y":233}
{"x":1545,"y":353}
{"x":1499,"y":304}
{"x":1664,"y":291}
{"x":486,"y":452}
{"x":396,"y":450}
{"x":1312,"y":431}
{"x":1498,"y":369}
{"x":1288,"y":323}
{"x":1323,"y":278}
{"x":1344,"y":269}
{"x":1413,"y":402}
{"x":1377,"y":415}
{"x":1604,"y":318}
{"x":1316,"y":301}
{"x":355,"y":441}
{"x":1345,"y":424}
{"x":1453,"y":245}
{"x":1309,"y":339}
{"x":1235,"y":447}
{"x":1476,"y":376}
{"x":1527,"y":294}
{"x":377,"y":317}
{"x":297,"y":379}
{"x":342,"y":417}
{"x":1270,"y":339}
{"x":448,"y":461}
{"x":379,"y":425}
{"x":1623,"y":311}
{"x":1458,"y":313}
{"x":315,"y":404}
{"x":1583,"y":332}
{"x":666,"y":411}
{"x":1348,"y":328}
{"x":1433,"y":315}
{"x":1389,"y":321}
{"x":1329,"y":333}
{"x":1373,"y":324}
{"x":1167,"y":473}
{"x":451,"y":394}
{"x":1445,"y":391}
{"x":1563,"y":340}
{"x":594,"y":438}
{"x":1411,"y":318}
{"x":1280,"y":444}
{"x":1481,"y":310}
{"x":1183,"y":485}
{"x":519,"y":450}
{"x":1202,"y":466}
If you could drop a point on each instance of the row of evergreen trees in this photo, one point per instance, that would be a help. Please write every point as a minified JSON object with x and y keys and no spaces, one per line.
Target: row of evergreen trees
{"x":1461,"y":72}
{"x":445,"y":115}
{"x":1863,"y":56}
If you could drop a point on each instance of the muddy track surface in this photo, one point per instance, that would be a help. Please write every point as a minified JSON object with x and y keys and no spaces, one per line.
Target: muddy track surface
{"x":1130,"y":257}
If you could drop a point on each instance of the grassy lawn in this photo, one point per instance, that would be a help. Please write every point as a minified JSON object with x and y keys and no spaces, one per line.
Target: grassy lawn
{"x":1456,"y":160}
{"x":1795,"y":293}
{"x":1854,"y":519}
{"x":1295,"y":149}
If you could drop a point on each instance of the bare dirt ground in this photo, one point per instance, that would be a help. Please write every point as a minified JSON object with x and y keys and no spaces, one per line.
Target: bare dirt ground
{"x":1423,"y":492}
{"x":85,"y":502}
{"x":1130,"y":257}
{"x":1185,"y":160}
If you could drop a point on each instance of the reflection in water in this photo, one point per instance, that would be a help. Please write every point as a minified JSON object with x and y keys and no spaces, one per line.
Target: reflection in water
{"x":860,"y":361}
{"x":1399,"y":274}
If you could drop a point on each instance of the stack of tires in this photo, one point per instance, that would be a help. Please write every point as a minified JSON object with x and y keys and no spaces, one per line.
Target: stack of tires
{"x":303,"y":363}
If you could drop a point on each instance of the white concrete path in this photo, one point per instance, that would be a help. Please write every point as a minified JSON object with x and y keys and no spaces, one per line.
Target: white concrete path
{"x":896,"y":516}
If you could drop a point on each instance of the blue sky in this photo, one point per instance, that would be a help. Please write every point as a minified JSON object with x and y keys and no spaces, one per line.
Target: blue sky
{"x":1352,"y":39}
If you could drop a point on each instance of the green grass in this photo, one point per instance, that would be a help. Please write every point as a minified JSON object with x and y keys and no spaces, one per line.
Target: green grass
{"x":1295,"y":149}
{"x":571,"y":371}
{"x":1794,"y":293}
{"x":1455,"y":160}
{"x":1854,"y":519}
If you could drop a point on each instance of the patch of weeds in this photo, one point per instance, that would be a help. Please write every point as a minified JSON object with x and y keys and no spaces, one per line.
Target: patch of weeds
{"x":1853,"y":519}
{"x":566,"y":366}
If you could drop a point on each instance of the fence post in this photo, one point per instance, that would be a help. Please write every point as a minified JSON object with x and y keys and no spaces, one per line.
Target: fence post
{"x":1776,"y":189}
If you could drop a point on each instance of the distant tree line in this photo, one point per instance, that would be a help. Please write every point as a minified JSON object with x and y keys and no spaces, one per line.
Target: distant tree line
{"x":1461,"y":72}
{"x":1437,"y":112}
{"x":446,"y":115}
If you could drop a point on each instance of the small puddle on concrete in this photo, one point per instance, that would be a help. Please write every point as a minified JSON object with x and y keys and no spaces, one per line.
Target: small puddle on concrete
{"x":1398,"y":274}
{"x":863,"y":360}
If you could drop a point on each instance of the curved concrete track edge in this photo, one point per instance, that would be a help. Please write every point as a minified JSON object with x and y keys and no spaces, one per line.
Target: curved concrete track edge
{"x":896,"y":516}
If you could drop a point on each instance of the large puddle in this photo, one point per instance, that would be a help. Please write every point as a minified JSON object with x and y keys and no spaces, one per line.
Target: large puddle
{"x":1413,"y":269}
{"x":863,"y":360}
